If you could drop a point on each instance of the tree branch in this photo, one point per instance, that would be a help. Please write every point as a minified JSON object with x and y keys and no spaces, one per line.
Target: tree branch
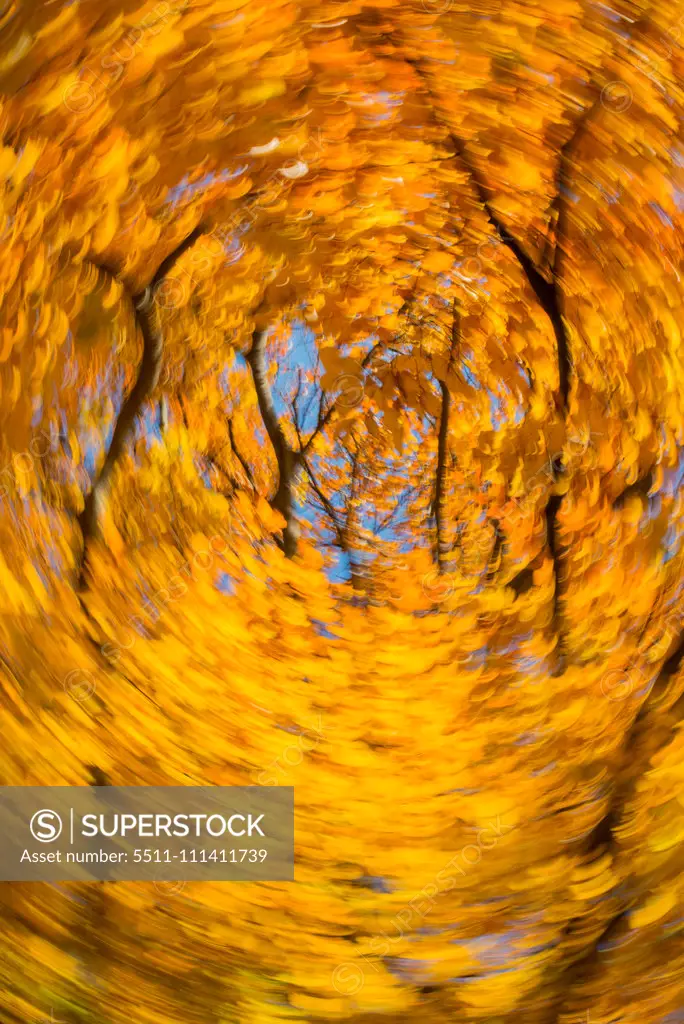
{"x":289,"y":462}
{"x":547,"y":293}
{"x":550,"y":298}
{"x":324,"y":417}
{"x":442,"y":455}
{"x":603,"y":834}
{"x":340,"y":532}
{"x":238,"y":454}
{"x":148,"y":375}
{"x":440,"y":477}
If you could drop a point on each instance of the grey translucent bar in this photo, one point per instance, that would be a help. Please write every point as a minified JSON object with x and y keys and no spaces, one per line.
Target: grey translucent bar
{"x":146,"y":833}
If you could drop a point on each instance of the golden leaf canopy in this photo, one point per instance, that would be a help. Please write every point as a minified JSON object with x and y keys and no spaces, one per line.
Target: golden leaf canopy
{"x":341,"y":432}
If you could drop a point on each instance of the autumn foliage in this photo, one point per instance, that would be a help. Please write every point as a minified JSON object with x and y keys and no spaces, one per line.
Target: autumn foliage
{"x":341,"y":431}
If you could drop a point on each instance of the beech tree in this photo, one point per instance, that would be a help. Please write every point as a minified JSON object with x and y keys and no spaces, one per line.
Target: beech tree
{"x":340,"y":439}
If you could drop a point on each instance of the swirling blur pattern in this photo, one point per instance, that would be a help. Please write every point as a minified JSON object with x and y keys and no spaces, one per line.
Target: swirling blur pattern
{"x":341,"y":435}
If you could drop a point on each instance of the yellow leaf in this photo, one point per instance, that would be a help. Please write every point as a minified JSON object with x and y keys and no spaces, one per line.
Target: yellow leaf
{"x":260,"y":93}
{"x":26,"y":162}
{"x":437,"y":262}
{"x":656,"y":907}
{"x":271,"y":518}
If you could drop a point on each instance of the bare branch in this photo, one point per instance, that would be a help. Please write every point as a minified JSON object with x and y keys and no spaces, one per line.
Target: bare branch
{"x":324,"y":417}
{"x":440,"y":477}
{"x":147,"y":321}
{"x":442,"y":451}
{"x":238,"y":454}
{"x":329,"y":508}
{"x":163,"y":414}
{"x":289,"y":461}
